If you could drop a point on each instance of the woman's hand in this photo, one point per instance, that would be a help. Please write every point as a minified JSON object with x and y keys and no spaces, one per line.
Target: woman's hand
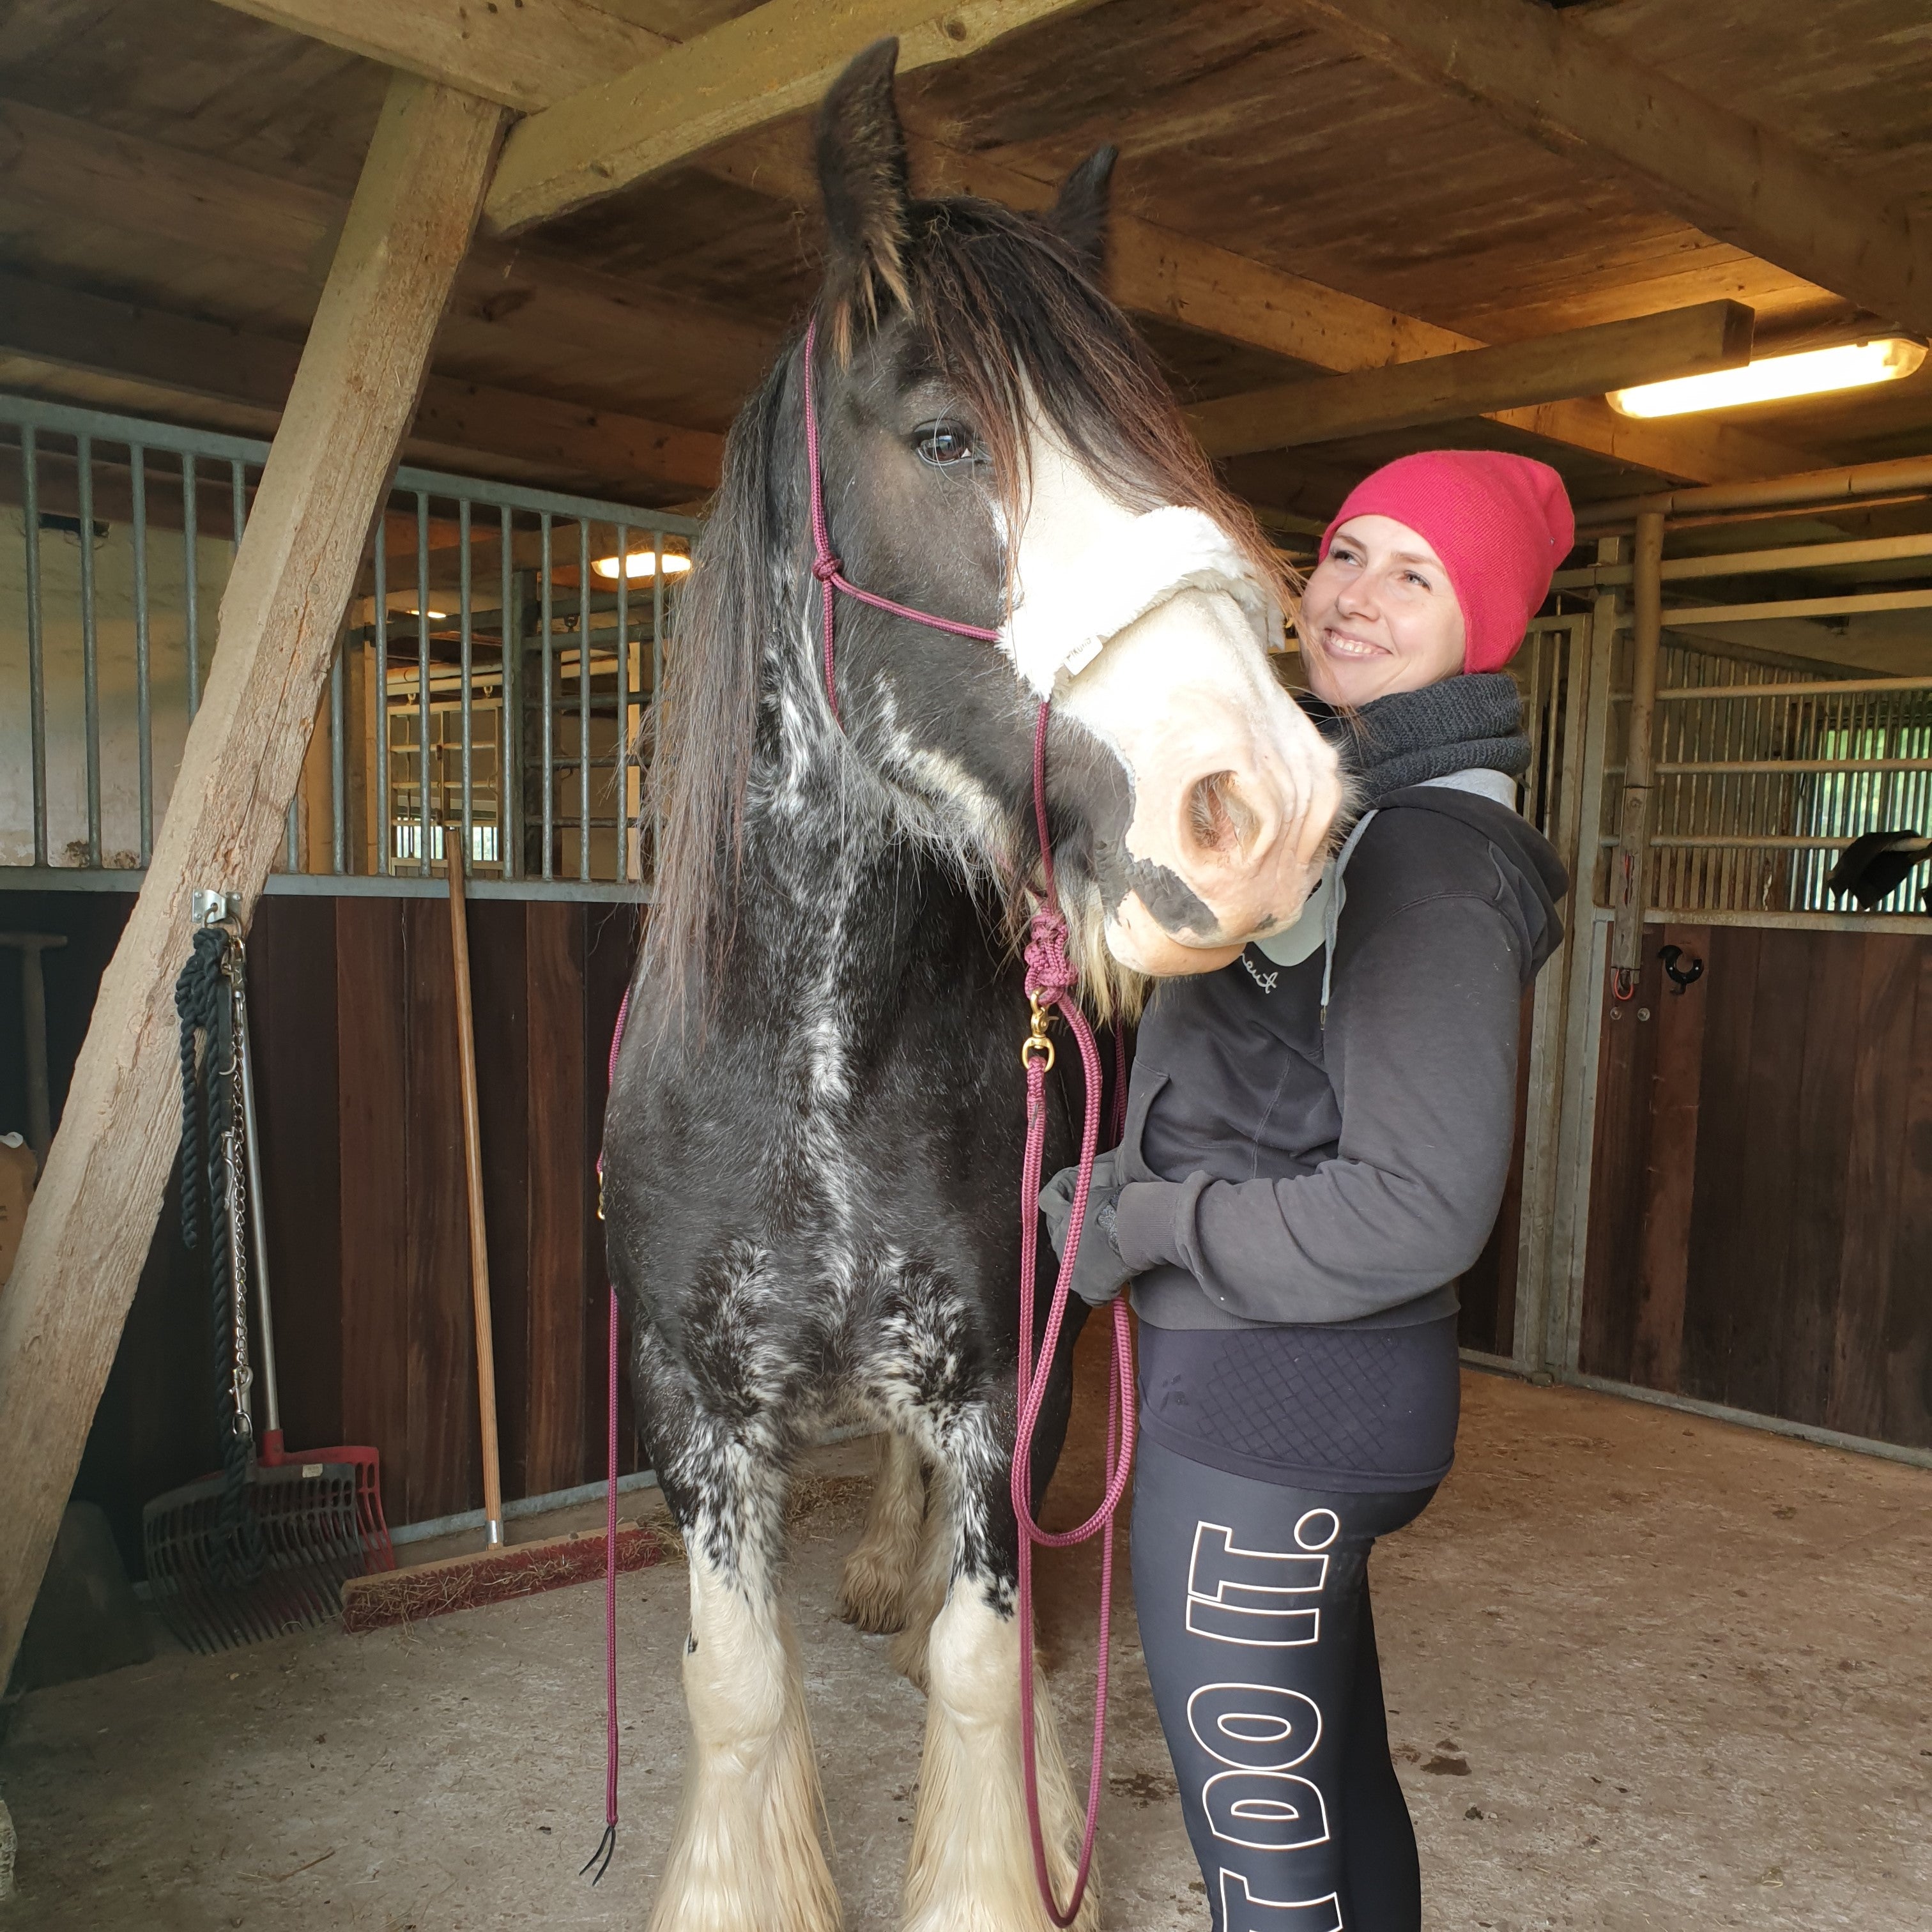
{"x":1099,"y":1273}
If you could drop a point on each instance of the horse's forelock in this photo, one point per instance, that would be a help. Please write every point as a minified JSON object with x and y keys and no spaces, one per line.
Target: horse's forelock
{"x":1006,"y":312}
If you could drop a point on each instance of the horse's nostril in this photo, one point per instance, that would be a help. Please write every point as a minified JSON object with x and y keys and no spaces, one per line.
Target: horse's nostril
{"x":1220,"y":819}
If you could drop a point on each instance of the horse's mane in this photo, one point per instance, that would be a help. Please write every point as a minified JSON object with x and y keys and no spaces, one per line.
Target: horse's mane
{"x":1005,"y":311}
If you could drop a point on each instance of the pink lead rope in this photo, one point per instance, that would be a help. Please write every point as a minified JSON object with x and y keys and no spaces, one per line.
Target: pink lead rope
{"x":1050,"y":981}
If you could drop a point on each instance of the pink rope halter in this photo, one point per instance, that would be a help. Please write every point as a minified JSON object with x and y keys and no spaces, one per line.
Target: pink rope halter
{"x":825,"y":565}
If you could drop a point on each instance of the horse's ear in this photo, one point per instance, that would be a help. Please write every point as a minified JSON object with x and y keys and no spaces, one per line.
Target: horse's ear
{"x":1079,"y":215}
{"x":862,"y":175}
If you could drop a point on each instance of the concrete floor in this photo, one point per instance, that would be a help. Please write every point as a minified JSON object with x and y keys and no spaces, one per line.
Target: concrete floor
{"x":1644,"y":1672}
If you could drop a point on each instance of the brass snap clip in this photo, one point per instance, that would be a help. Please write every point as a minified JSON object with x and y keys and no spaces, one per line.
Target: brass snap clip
{"x":1037,"y":1042}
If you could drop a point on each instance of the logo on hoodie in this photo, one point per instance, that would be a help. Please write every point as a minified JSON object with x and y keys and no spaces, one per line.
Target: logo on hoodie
{"x":1266,"y":981}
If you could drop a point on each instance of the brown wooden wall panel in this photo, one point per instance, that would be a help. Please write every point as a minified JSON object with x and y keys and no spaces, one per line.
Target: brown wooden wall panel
{"x":612,"y":936}
{"x":444,"y":1466}
{"x":1908,"y":1330}
{"x":371,"y":1119}
{"x":354,"y":1013}
{"x":293,"y":996}
{"x":559,"y":1182}
{"x":1761,"y":1205}
{"x":496,"y":968}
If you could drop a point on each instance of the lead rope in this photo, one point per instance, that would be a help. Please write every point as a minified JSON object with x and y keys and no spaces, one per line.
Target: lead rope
{"x":607,"y":1846}
{"x":1050,"y":981}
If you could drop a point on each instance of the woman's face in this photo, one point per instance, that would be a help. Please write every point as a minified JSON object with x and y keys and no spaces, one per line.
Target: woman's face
{"x":1378,"y":615}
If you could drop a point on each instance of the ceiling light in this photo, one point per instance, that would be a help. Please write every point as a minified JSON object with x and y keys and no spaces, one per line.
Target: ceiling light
{"x":1811,"y":372}
{"x":412,"y":613}
{"x":641,"y":563}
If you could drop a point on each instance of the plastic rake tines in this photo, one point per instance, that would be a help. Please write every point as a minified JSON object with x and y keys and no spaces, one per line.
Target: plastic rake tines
{"x":306,"y":1528}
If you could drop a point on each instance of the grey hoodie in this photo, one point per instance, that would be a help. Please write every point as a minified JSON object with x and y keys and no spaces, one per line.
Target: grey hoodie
{"x":1285,"y":1164}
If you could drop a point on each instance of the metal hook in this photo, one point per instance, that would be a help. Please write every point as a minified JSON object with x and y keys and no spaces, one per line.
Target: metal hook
{"x":1681,"y":983}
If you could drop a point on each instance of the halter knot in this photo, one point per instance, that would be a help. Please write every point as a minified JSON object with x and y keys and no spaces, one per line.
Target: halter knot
{"x":1049,"y":972}
{"x":826,"y":568}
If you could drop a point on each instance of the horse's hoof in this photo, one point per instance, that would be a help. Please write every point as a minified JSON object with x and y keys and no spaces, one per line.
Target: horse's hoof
{"x":867,"y":1604}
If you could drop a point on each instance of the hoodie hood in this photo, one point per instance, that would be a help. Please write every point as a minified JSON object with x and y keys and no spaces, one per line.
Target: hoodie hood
{"x":1529,"y":862}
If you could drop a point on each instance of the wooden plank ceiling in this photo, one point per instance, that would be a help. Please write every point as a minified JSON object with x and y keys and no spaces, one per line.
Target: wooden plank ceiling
{"x":1309,"y":194}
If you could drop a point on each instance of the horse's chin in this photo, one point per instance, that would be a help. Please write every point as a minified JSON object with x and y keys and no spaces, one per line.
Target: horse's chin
{"x":1138,"y":942}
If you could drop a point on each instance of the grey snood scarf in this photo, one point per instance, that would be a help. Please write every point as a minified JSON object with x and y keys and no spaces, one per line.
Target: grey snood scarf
{"x":1473,"y":722}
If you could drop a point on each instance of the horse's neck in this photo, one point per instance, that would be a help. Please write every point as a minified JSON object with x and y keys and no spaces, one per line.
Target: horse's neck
{"x":832,"y":899}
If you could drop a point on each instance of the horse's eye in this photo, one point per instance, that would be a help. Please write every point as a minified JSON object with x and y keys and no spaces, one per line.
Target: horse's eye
{"x":942,"y":444}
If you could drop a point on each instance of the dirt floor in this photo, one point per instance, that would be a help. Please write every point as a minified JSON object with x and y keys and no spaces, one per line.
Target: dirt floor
{"x":1644,"y":1672}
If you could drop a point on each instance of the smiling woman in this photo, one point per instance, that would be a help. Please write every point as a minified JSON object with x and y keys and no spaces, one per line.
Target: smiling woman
{"x":1315,"y":1146}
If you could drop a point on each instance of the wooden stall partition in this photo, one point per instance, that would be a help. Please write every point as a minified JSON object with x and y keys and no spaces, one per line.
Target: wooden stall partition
{"x":354,"y":1024}
{"x":1760,"y":1226}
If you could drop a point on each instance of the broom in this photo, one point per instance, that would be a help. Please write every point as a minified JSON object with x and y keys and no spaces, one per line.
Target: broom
{"x":264,"y":1546}
{"x":498,"y":1572}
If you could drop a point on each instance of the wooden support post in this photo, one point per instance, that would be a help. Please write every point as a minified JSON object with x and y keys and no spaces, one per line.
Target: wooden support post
{"x":88,"y":1233}
{"x":1629,"y":880}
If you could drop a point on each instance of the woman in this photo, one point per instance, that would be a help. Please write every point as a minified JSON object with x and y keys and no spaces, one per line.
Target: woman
{"x":1317,"y":1140}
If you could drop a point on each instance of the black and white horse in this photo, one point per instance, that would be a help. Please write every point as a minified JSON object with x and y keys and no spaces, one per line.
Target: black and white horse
{"x":815,"y":1131}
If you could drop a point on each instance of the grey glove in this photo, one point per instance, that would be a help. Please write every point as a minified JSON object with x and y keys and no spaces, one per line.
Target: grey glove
{"x":1099,"y":1273}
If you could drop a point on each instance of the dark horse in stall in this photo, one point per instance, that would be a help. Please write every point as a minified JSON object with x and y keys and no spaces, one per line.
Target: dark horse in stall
{"x":815,"y":1126}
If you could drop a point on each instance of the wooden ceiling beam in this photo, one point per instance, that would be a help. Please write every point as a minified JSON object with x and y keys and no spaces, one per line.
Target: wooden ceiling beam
{"x":1578,"y":93}
{"x":75,"y":171}
{"x":526,"y":54}
{"x":776,"y":60}
{"x":558,"y":443}
{"x":514,"y":54}
{"x":1478,"y":382}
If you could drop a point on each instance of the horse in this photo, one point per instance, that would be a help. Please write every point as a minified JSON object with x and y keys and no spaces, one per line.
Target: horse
{"x":815,"y":1125}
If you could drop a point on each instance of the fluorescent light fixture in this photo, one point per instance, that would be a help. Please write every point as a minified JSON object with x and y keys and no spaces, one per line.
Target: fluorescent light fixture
{"x":412,"y":612}
{"x":642,"y":563}
{"x":1810,"y":372}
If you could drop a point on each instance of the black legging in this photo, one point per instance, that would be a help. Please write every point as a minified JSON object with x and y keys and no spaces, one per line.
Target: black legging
{"x":1253,"y":1601}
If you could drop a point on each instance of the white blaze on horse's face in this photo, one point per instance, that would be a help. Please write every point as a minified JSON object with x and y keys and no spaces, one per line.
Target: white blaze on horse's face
{"x":1151,"y":630}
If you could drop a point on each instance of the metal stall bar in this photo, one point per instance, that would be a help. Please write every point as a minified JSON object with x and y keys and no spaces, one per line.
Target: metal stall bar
{"x":90,"y":654}
{"x":137,"y":470}
{"x":1629,"y":874}
{"x":191,"y":581}
{"x":36,"y":686}
{"x":549,"y":709}
{"x":620,"y":760}
{"x":657,"y":694}
{"x":464,"y":593}
{"x":422,"y":681}
{"x":510,"y":758}
{"x":338,"y":755}
{"x":583,"y":697}
{"x":386,"y":837}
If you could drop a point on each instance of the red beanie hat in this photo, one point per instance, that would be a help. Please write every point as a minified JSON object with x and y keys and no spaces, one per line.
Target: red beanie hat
{"x":1500,"y":524}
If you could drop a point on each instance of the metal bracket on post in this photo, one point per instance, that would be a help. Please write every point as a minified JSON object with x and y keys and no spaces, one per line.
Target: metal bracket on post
{"x":1630,"y":869}
{"x":211,"y":907}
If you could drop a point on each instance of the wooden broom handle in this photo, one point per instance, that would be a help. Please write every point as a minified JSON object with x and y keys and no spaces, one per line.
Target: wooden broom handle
{"x":472,"y":1161}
